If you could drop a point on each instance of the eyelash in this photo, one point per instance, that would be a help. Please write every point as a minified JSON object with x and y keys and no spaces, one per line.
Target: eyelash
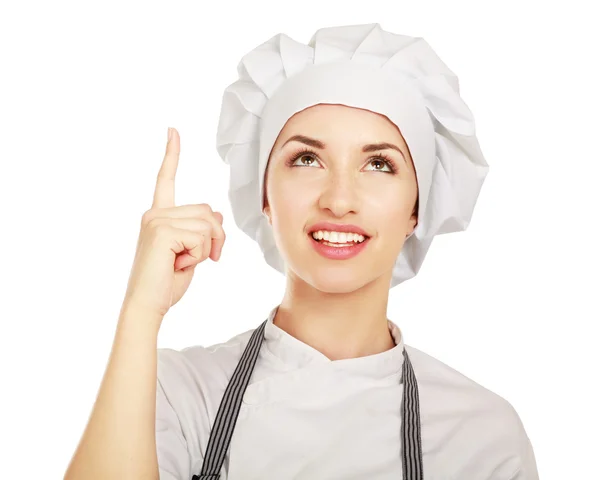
{"x":380,"y":156}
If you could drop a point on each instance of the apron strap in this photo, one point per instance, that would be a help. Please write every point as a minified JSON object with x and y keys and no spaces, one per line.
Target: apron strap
{"x":412,"y":454}
{"x":222,"y":430}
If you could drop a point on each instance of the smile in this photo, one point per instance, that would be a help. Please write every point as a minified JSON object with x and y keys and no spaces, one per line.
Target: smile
{"x":337,"y":251}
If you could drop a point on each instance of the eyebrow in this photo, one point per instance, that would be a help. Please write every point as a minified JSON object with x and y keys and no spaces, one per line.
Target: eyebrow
{"x":371,"y":147}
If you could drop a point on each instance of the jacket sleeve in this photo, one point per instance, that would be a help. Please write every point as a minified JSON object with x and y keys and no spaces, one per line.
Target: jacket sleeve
{"x":171,"y":445}
{"x":528,"y":469}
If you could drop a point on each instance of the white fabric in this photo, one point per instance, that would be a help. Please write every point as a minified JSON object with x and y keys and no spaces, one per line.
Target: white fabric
{"x":306,"y":417}
{"x":366,"y":67}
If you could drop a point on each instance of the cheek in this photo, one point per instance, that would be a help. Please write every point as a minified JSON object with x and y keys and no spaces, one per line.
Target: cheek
{"x":391,"y":202}
{"x":390,"y":224}
{"x":389,"y":215}
{"x":290,"y":204}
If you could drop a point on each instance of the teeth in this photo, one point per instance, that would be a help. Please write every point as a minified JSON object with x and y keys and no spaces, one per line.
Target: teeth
{"x":338,"y":237}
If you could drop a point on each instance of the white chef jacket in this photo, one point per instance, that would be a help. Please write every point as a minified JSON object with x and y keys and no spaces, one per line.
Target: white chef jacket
{"x":304,"y":416}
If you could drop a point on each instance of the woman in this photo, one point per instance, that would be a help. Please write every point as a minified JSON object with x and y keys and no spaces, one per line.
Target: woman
{"x":364,"y":152}
{"x":343,"y":145}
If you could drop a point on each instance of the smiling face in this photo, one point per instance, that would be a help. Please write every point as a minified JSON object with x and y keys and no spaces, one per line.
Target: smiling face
{"x":330,"y":164}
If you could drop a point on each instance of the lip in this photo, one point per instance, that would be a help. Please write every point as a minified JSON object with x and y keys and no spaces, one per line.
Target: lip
{"x":333,"y":227}
{"x":338,"y":253}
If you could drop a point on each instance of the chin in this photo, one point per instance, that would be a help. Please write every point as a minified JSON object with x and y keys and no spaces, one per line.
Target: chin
{"x":332,"y":287}
{"x":334,"y":280}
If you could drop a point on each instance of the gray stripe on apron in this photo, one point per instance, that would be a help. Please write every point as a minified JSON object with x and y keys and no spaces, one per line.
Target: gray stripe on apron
{"x":222,"y":430}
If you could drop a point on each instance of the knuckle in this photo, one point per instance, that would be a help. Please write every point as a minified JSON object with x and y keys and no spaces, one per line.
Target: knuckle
{"x":147,"y":216}
{"x":151,"y":222}
{"x":157,"y":226}
{"x":204,"y":208}
{"x":199,"y":225}
{"x":201,"y":236}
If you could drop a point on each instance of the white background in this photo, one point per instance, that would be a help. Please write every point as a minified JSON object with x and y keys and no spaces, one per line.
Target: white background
{"x":87,"y":93}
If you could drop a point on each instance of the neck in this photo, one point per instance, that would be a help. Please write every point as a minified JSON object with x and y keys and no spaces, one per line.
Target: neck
{"x":339,"y":325}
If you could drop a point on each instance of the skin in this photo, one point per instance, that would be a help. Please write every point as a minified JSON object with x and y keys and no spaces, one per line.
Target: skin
{"x":339,"y":307}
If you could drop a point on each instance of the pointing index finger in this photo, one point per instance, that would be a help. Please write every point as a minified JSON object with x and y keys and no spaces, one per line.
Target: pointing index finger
{"x":164,"y":193}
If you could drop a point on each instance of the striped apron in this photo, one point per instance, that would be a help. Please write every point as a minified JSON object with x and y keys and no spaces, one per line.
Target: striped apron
{"x":222,"y":430}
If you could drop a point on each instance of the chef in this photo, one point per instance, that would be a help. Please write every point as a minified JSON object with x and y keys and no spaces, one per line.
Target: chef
{"x":347,"y":156}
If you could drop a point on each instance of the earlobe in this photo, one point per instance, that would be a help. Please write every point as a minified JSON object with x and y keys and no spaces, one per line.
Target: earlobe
{"x":267,"y":212}
{"x":413,"y":224}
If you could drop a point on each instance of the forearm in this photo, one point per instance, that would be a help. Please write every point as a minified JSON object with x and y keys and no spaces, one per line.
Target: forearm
{"x":119,"y":439}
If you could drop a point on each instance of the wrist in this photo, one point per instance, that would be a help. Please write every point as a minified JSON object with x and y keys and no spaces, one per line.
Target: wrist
{"x":132,"y":312}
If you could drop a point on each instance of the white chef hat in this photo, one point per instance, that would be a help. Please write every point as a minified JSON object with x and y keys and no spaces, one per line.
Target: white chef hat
{"x":366,"y":67}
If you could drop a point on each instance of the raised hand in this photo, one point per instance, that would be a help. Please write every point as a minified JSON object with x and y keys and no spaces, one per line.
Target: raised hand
{"x":172,"y":241}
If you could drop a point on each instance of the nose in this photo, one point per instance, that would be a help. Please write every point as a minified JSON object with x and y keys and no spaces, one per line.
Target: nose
{"x":340,"y":194}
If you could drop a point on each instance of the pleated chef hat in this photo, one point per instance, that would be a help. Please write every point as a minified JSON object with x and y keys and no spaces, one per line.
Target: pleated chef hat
{"x":366,"y":67}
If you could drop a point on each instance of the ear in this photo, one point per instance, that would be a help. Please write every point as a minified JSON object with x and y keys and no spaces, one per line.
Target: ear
{"x":412,"y":224}
{"x":267,"y":211}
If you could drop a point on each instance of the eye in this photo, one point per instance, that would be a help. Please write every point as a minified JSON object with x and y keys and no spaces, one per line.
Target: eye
{"x":382,"y":162}
{"x":382,"y":158}
{"x":307,"y":158}
{"x":301,"y":157}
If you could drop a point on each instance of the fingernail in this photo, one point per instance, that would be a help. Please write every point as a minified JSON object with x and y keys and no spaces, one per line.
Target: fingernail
{"x":169,"y":134}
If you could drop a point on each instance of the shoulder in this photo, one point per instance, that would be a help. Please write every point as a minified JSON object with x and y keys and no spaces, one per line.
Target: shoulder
{"x":190,"y":385}
{"x":193,"y":363}
{"x":198,"y":375}
{"x":435,"y":378}
{"x":456,"y":410}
